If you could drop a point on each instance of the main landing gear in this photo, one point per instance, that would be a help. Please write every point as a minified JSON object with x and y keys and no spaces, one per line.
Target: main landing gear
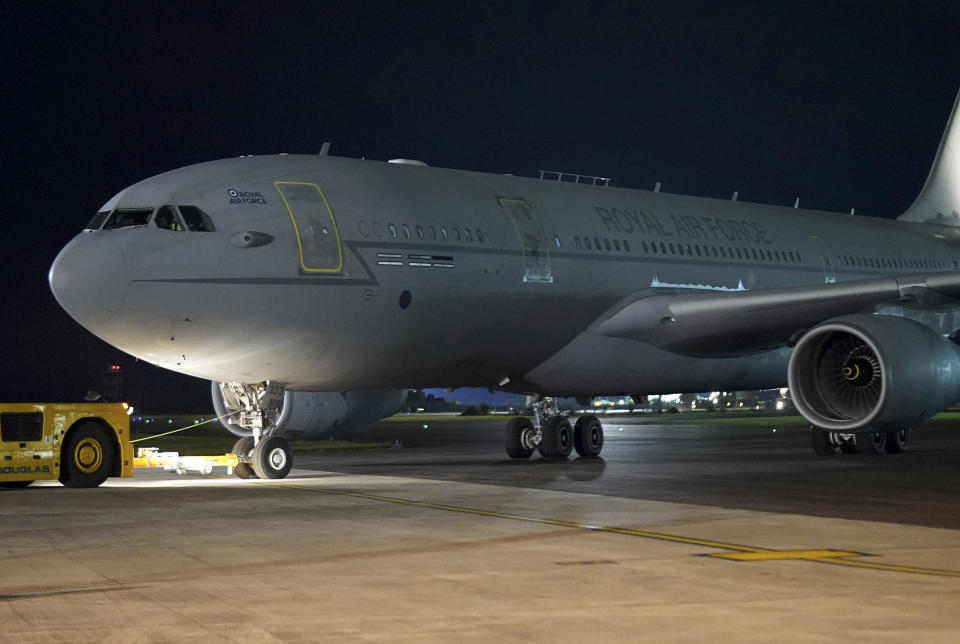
{"x":263,"y":454}
{"x":826,"y":442}
{"x":552,"y":433}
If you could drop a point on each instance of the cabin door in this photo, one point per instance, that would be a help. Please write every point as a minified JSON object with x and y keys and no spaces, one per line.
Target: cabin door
{"x":533,"y":243}
{"x":318,"y":240}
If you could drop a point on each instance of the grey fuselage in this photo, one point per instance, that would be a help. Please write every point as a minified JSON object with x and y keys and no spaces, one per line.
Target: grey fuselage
{"x":509,"y":307}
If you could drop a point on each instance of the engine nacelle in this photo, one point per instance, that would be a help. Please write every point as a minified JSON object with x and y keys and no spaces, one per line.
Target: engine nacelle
{"x":314,"y":414}
{"x":863,"y":372}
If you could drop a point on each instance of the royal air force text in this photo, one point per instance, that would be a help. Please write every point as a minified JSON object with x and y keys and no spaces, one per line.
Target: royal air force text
{"x":685,"y":227}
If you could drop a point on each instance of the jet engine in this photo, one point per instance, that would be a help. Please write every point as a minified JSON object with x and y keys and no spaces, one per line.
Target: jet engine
{"x":858,"y":373}
{"x":314,"y":414}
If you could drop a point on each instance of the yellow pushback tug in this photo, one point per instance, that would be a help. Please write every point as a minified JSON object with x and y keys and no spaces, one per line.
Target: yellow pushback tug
{"x":80,"y":445}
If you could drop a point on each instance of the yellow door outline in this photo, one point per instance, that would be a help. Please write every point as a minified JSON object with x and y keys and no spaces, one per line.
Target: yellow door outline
{"x":296,"y":228}
{"x":536,"y":258}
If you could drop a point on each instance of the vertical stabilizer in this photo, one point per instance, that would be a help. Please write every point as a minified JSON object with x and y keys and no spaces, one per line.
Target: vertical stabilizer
{"x":939,"y":201}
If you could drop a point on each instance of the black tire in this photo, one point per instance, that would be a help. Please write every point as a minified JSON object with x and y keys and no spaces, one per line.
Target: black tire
{"x":822,"y":442}
{"x":588,"y":436}
{"x":242,"y":449}
{"x":517,"y":430}
{"x":87,"y":457}
{"x":557,"y":438}
{"x":272,"y":458}
{"x":848,"y":446}
{"x":897,"y":442}
{"x":14,"y":485}
{"x":873,"y":443}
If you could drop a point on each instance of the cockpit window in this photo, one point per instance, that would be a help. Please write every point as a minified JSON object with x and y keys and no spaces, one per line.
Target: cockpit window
{"x":128,"y":218}
{"x":196,"y":219}
{"x":168,"y":219}
{"x":98,"y":220}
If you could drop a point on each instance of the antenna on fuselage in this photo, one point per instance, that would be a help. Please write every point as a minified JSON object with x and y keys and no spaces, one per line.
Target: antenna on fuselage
{"x":325,"y":148}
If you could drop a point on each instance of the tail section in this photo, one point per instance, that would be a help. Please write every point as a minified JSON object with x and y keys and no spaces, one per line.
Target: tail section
{"x":939,"y":201}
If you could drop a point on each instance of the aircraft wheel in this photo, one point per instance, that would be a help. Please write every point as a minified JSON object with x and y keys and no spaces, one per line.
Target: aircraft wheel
{"x":873,"y":443}
{"x":272,"y":458}
{"x":588,"y":436}
{"x":897,"y":442}
{"x":824,"y":442}
{"x":86,"y":459}
{"x":557,"y":438}
{"x":848,"y":445}
{"x":242,"y":449}
{"x":519,"y":438}
{"x":15,"y":485}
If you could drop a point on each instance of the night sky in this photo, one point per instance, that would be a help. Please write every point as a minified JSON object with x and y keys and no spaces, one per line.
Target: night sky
{"x":841,"y":103}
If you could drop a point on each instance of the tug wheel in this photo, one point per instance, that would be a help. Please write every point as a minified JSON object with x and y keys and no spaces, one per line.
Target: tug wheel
{"x":87,"y":457}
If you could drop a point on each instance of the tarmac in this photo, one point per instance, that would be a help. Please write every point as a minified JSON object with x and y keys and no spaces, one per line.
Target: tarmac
{"x":681,"y":533}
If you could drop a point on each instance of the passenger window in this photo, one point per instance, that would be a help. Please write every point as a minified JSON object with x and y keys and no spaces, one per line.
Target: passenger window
{"x":663,"y":248}
{"x":377,"y":229}
{"x":586,"y":242}
{"x":443,"y":233}
{"x":556,"y":239}
{"x":644,"y":245}
{"x":196,"y":220}
{"x":723,"y":253}
{"x":167,"y":219}
{"x":626,"y":245}
{"x":606,"y":244}
{"x":480,"y":237}
{"x":467,"y":234}
{"x":364,"y":228}
{"x":680,"y":248}
{"x":577,"y":241}
{"x":456,"y":233}
{"x":128,"y":218}
{"x":432,"y":231}
{"x":596,"y":242}
{"x":393,"y":230}
{"x":697,"y":248}
{"x":406,"y":231}
{"x":98,"y":220}
{"x":616,"y":245}
{"x":419,"y":229}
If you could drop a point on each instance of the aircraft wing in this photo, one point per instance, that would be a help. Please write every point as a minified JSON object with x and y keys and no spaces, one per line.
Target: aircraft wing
{"x":718,"y":324}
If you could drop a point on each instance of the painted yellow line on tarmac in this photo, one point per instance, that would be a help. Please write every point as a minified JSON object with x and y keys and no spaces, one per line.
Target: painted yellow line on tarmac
{"x":773,"y":555}
{"x":738,"y":552}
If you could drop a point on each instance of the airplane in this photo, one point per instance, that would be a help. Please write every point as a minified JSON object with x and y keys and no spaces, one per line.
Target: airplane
{"x":313,"y":290}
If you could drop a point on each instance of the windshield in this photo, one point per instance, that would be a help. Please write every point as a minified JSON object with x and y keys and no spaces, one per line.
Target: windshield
{"x":128,"y":218}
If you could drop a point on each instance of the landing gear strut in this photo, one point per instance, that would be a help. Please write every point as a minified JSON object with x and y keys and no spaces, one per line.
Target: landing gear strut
{"x":552,"y":433}
{"x":263,"y":454}
{"x":826,"y":443}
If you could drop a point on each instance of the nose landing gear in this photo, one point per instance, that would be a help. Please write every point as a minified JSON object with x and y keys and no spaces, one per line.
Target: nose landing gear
{"x":552,"y":434}
{"x":263,"y":454}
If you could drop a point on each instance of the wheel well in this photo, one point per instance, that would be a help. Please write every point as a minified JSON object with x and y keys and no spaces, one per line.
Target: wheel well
{"x":115,"y":468}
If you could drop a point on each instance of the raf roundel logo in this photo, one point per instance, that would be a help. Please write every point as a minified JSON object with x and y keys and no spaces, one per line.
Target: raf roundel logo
{"x":246,"y":198}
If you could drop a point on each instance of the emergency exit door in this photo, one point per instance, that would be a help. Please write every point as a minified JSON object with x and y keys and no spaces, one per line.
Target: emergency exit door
{"x":318,"y":240}
{"x":533,"y":243}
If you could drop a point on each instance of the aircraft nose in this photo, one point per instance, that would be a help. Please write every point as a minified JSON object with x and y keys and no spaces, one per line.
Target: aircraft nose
{"x":88,"y":278}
